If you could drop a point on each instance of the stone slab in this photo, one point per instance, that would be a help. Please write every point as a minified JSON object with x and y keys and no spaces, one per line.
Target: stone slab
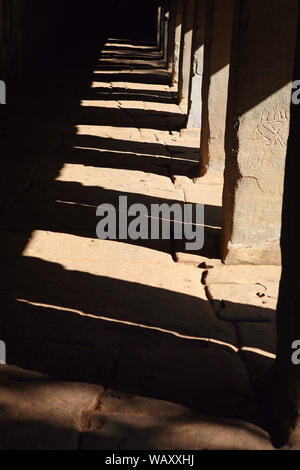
{"x":43,"y":415}
{"x":263,"y":296}
{"x":220,"y":384}
{"x":202,"y":432}
{"x":118,"y":402}
{"x":226,"y":274}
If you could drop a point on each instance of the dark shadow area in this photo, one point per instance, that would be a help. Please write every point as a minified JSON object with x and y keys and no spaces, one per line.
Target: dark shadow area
{"x":160,"y":77}
{"x":278,"y":389}
{"x":127,"y":18}
{"x":134,"y":147}
{"x":53,"y":328}
{"x":67,"y":207}
{"x":89,"y":115}
{"x":59,"y":432}
{"x":118,"y":94}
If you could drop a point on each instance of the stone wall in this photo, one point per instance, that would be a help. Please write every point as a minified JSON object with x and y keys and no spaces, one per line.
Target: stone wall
{"x":257,"y":129}
{"x":195,"y":97}
{"x":218,"y":34}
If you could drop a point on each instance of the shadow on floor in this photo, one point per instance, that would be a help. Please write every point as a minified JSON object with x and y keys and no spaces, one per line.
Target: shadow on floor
{"x":79,"y":326}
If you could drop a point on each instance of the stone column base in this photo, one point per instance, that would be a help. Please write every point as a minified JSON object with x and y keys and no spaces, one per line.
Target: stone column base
{"x":267,"y":253}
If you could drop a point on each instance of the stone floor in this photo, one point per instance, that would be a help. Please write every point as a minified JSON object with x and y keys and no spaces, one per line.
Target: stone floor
{"x":42,"y":414}
{"x":125,"y":337}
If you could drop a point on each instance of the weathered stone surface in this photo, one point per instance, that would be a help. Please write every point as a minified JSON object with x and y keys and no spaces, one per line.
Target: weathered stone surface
{"x":262,"y":254}
{"x":258,"y":350}
{"x":195,"y":259}
{"x":195,"y":98}
{"x":244,"y":302}
{"x":117,"y":313}
{"x":221,"y":382}
{"x":171,"y":35}
{"x":107,"y":432}
{"x":204,"y":194}
{"x":177,"y":46}
{"x":218,"y":32}
{"x":211,"y":197}
{"x":111,"y":314}
{"x":191,"y":133}
{"x":227,"y":274}
{"x":38,"y":413}
{"x":71,"y":361}
{"x":157,"y":433}
{"x":186,"y":54}
{"x":115,"y":402}
{"x":15,"y":374}
{"x":209,"y":252}
{"x":258,"y":336}
{"x":257,"y":130}
{"x":43,"y":415}
{"x":211,"y":435}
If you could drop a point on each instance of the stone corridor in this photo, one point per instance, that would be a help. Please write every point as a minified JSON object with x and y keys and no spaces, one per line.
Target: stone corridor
{"x":160,"y":336}
{"x":142,"y":342}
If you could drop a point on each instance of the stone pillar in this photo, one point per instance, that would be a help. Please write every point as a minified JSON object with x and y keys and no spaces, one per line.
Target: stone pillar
{"x":257,"y":129}
{"x":171,"y":35}
{"x":166,"y":28}
{"x":186,"y":54}
{"x":162,"y":29}
{"x":177,"y":42}
{"x":217,"y":51}
{"x":159,"y":30}
{"x":195,"y":99}
{"x":284,"y":406}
